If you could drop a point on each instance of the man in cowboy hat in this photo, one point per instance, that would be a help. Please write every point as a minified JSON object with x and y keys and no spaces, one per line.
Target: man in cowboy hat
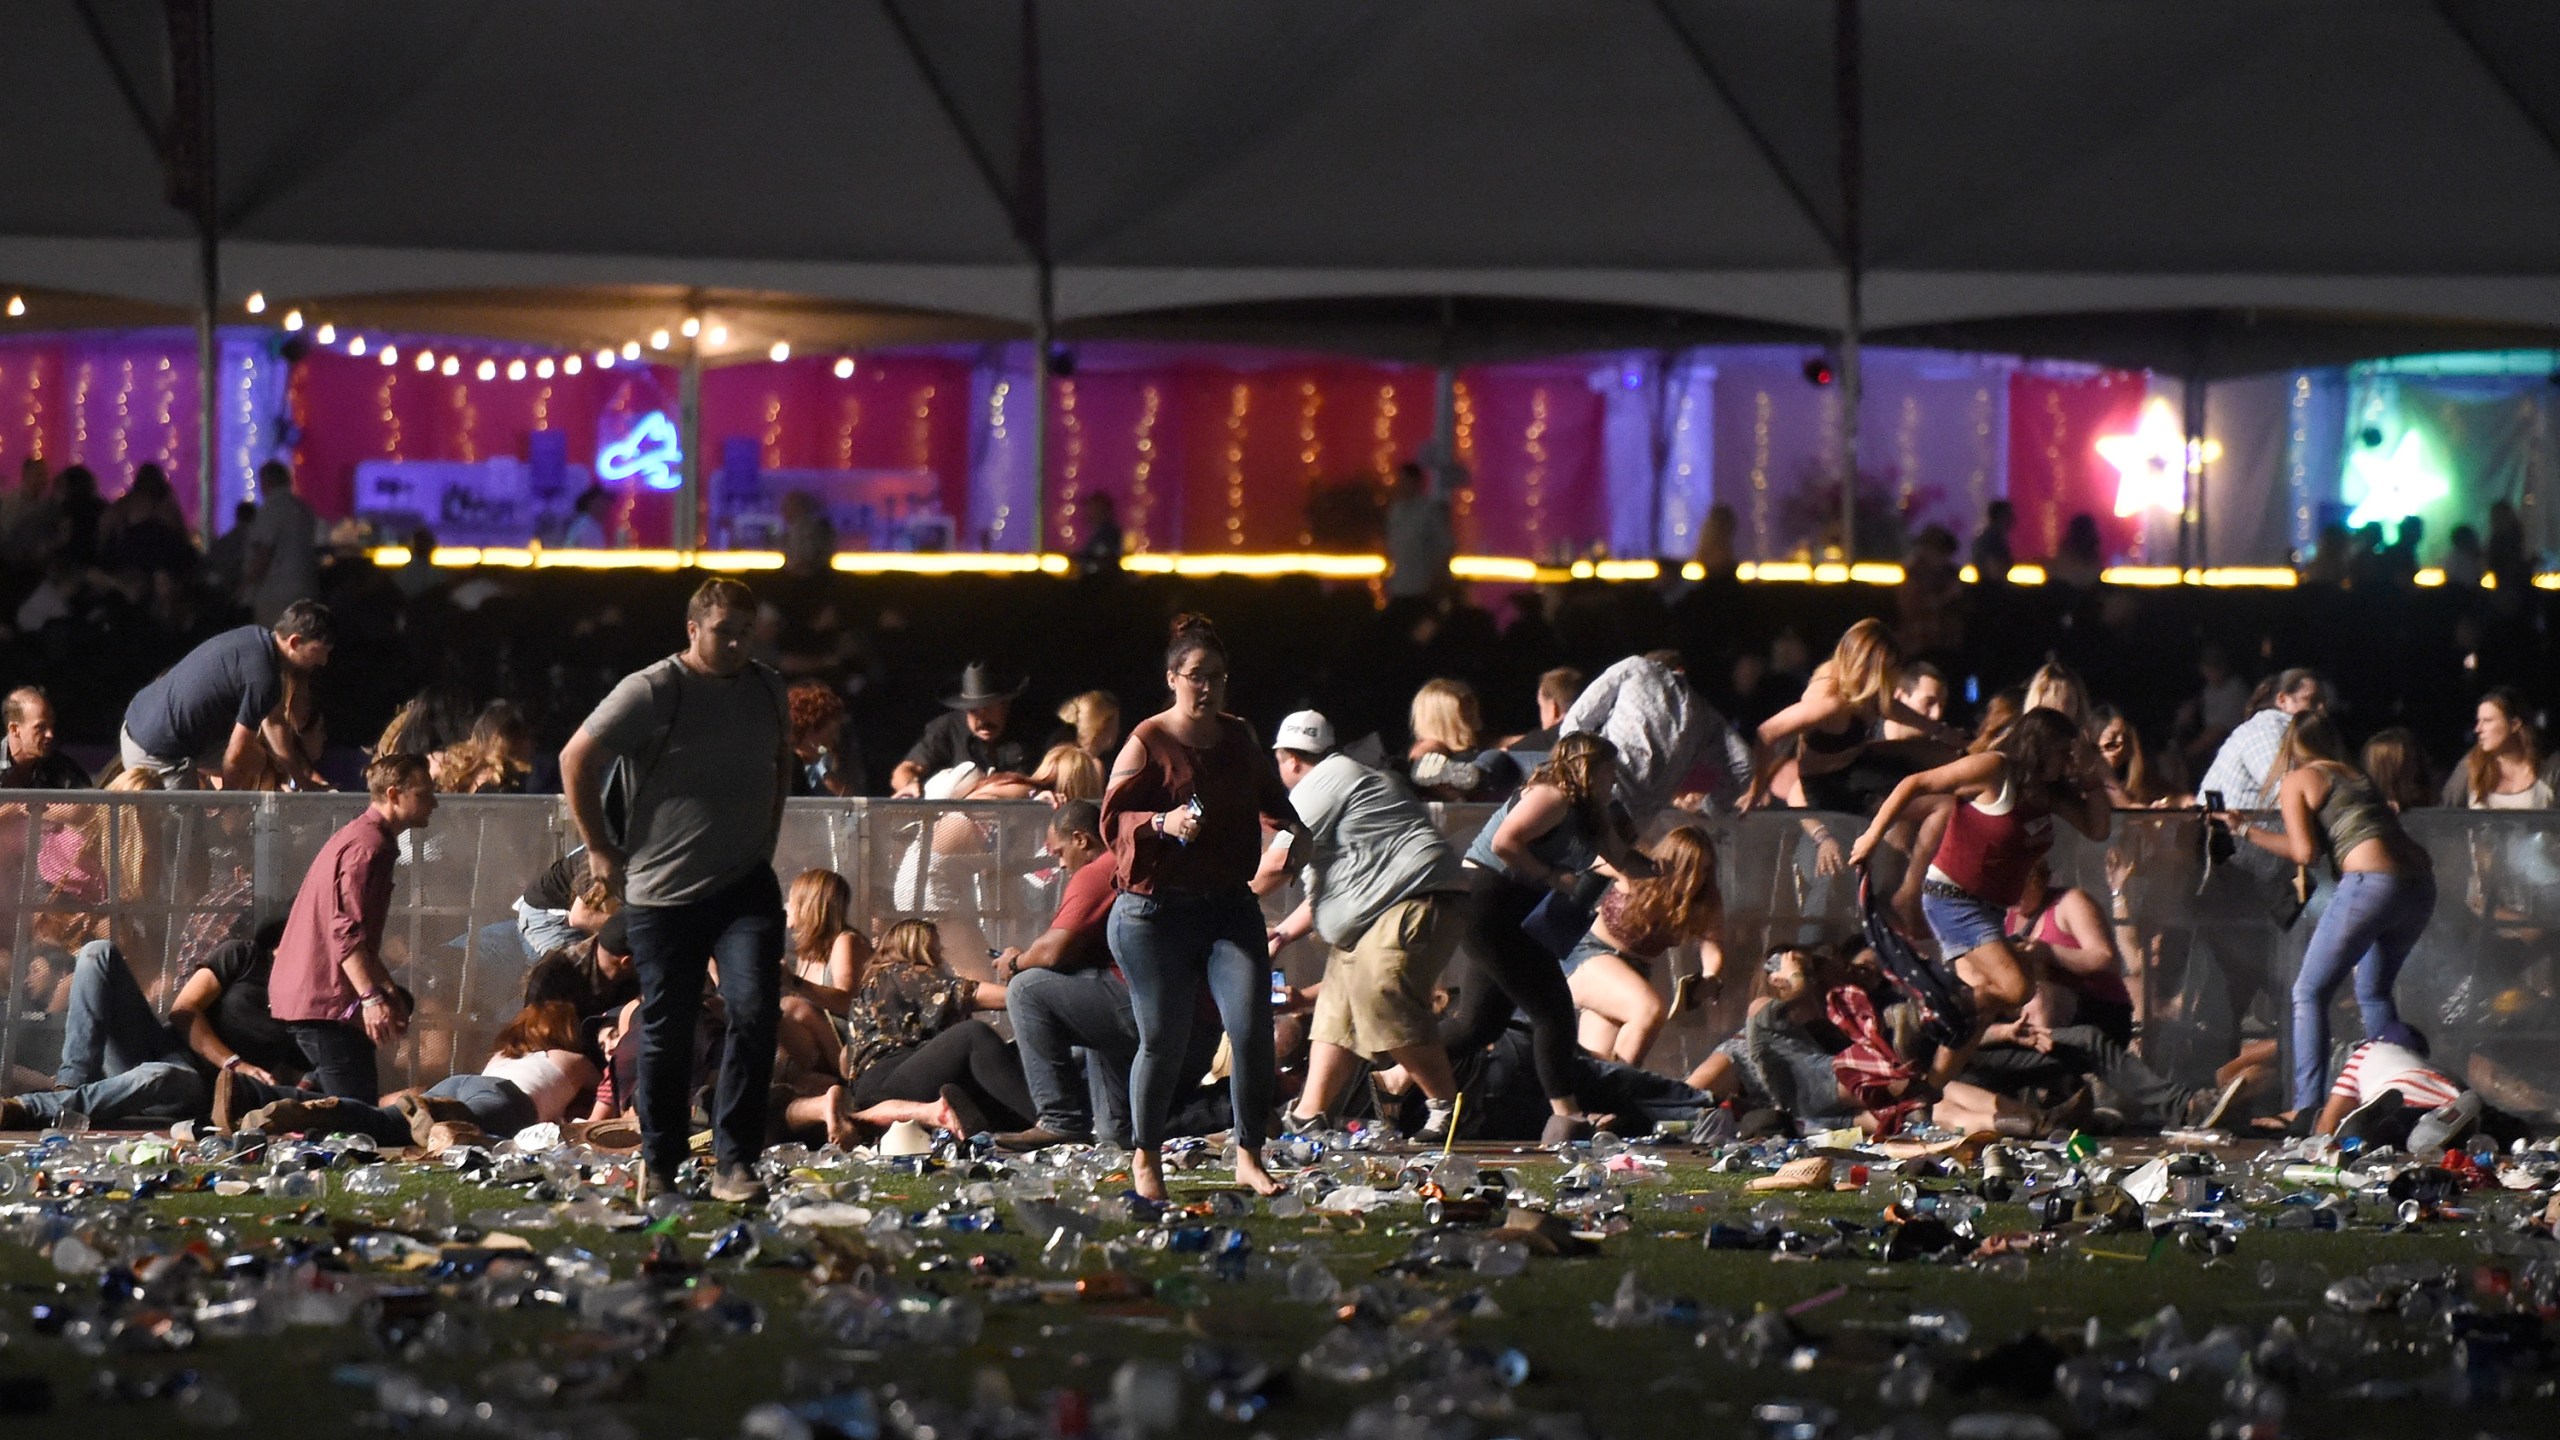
{"x":972,"y":732}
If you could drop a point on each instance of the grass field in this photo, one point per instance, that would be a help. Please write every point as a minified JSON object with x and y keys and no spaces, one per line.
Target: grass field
{"x":512,"y":1348}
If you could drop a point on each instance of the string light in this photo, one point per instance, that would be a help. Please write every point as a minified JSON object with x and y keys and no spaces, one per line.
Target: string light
{"x":692,"y":326}
{"x":1534,"y":443}
{"x":486,"y":370}
{"x":356,"y":346}
{"x":657,"y":341}
{"x":920,"y":434}
{"x":1382,"y":457}
{"x":452,"y":366}
{"x":426,"y":361}
{"x":1239,"y":404}
{"x":1761,"y":406}
{"x":257,"y":302}
{"x":844,"y":368}
{"x":1310,"y":403}
{"x":1071,"y":428}
{"x":631,"y":348}
{"x":17,"y":306}
{"x":541,"y":368}
{"x":1141,"y":502}
{"x":327,"y":334}
{"x":571,"y":366}
{"x":781,"y":350}
{"x":515,"y":369}
{"x":719,"y":336}
{"x":390,"y":354}
{"x":293,"y":319}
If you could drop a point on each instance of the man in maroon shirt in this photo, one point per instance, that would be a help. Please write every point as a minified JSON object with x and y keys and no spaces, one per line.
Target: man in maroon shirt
{"x":329,"y":985}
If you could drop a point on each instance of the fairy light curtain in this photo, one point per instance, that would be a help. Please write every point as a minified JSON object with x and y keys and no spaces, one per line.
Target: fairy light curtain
{"x":116,"y":401}
{"x":2055,"y":470}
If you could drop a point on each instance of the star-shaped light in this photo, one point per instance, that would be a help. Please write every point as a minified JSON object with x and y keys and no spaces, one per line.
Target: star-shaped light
{"x":2397,"y":483}
{"x":2153,"y":462}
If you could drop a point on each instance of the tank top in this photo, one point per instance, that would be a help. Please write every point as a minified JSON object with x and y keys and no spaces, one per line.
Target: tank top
{"x":1991,"y":844}
{"x":2352,"y":813}
{"x":1567,"y":846}
{"x":540,"y":1077}
{"x":2536,"y":796}
{"x":2105,"y":985}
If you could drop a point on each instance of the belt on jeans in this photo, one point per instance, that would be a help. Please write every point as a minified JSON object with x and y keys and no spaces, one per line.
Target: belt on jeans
{"x":1946,"y":890}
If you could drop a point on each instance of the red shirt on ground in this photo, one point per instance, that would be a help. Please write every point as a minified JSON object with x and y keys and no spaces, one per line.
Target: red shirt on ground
{"x":340,"y":909}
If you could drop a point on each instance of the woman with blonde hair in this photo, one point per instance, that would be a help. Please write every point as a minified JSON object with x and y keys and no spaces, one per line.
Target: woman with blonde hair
{"x":1446,"y":720}
{"x":1834,"y":725}
{"x":827,"y":954}
{"x":2505,"y":769}
{"x":2055,"y":686}
{"x":1610,"y":970}
{"x":1092,"y":722}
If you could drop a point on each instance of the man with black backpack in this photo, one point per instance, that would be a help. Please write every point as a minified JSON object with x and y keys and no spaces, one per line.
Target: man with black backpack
{"x":699,"y":752}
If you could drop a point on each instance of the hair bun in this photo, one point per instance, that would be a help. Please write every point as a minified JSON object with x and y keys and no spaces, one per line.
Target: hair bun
{"x":1188,"y":624}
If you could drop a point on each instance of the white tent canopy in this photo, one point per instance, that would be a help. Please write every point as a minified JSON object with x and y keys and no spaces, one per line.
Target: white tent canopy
{"x":2015,"y":158}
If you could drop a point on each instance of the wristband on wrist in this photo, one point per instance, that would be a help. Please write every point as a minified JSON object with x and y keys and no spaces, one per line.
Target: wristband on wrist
{"x":230,"y":1062}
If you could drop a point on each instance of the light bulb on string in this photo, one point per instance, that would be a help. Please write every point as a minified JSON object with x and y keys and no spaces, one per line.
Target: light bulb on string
{"x":327,"y":334}
{"x":844,"y":368}
{"x":426,"y":360}
{"x":542,"y":368}
{"x":631,"y":348}
{"x":257,"y":302}
{"x":692,"y":326}
{"x":356,"y":345}
{"x":293,"y":319}
{"x":515,"y":369}
{"x":781,"y":350}
{"x":390,"y":354}
{"x":570,"y":366}
{"x":452,"y":365}
{"x":658,"y":340}
{"x":17,"y":306}
{"x":719,"y":336}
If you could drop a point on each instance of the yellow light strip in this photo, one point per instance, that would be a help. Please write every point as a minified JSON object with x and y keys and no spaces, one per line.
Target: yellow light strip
{"x":1491,"y":567}
{"x":2141,"y":575}
{"x":1329,"y":567}
{"x":1499,"y":569}
{"x":2271,"y":577}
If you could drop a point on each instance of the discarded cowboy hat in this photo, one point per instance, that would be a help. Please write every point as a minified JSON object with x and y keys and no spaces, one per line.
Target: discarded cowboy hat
{"x":978,"y":686}
{"x":906,"y":1138}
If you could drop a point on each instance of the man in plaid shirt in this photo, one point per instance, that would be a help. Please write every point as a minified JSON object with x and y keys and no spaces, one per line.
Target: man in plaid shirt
{"x":2244,"y":769}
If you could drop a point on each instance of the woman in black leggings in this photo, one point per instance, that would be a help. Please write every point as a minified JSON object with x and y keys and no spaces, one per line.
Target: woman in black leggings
{"x":910,"y":1038}
{"x":1543,"y":842}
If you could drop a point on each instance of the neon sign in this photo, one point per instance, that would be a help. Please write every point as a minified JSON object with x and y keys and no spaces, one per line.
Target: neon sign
{"x":2153,"y":462}
{"x":2394,"y":484}
{"x":649,"y":453}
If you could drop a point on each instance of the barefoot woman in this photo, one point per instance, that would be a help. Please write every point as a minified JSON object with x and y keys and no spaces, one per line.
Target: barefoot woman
{"x":1182,"y":815}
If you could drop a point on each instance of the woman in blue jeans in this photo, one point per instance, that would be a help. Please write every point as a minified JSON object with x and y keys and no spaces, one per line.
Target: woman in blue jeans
{"x":2386,"y":894}
{"x":1183,"y":817}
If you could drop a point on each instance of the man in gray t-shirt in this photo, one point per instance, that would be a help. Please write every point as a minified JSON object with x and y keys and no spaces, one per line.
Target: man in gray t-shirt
{"x":1387,"y":892}
{"x":704,"y":757}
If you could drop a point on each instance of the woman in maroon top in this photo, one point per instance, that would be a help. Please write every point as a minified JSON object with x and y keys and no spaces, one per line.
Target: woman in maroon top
{"x":1183,"y":817}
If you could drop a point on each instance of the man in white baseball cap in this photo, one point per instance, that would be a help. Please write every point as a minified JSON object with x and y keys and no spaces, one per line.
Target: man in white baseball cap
{"x":1385,"y":890}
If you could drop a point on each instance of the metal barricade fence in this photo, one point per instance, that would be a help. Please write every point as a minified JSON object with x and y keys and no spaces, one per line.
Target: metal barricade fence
{"x":169,"y":877}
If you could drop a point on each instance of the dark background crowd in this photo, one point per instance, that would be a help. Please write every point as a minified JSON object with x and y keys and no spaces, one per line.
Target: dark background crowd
{"x":97,"y":597}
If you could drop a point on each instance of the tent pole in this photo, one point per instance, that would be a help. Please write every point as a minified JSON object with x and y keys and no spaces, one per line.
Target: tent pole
{"x":1849,"y":93}
{"x":1030,"y":208}
{"x":191,"y":35}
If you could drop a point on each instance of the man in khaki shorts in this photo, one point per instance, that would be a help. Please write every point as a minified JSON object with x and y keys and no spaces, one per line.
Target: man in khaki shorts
{"x":1385,"y":891}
